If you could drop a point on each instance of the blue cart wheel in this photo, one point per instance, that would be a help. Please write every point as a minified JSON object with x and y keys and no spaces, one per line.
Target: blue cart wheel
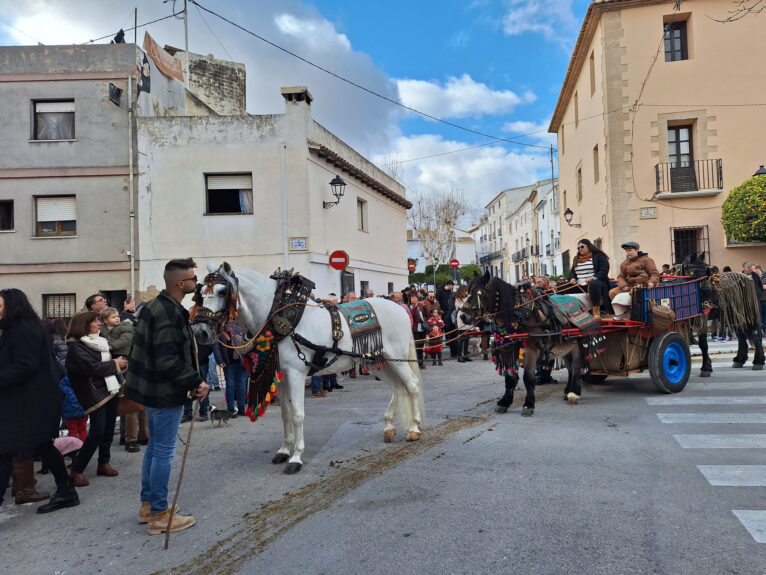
{"x":669,"y":362}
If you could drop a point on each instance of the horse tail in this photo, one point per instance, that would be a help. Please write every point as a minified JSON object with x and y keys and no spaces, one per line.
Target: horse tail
{"x":402,"y":399}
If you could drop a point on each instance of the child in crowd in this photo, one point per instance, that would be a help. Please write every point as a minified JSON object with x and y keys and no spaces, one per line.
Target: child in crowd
{"x":72,"y":413}
{"x":435,"y":333}
{"x":118,"y":333}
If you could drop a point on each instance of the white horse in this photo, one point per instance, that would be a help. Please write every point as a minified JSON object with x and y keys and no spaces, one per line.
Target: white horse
{"x":255,"y":296}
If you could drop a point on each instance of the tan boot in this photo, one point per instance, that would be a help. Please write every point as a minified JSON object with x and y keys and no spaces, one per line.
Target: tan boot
{"x":23,"y":487}
{"x":158,"y":522}
{"x":145,"y":512}
{"x":596,"y":312}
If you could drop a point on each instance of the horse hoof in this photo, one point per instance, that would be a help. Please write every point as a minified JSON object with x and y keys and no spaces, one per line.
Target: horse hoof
{"x":292,"y":468}
{"x":280,"y":458}
{"x":388,"y":435}
{"x":501,"y":409}
{"x":737,"y":364}
{"x":757,"y":367}
{"x":572,"y":398}
{"x":705,"y":373}
{"x":527,"y":412}
{"x":412,"y":436}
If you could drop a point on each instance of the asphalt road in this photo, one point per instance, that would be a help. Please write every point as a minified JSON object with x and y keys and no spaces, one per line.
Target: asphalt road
{"x":629,"y":481}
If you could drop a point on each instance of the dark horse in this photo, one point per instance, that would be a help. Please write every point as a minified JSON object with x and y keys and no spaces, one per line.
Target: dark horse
{"x":523,"y":309}
{"x":735,"y":300}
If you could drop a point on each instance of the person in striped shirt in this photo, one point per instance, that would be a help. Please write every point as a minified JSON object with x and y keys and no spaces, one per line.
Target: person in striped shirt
{"x":590,"y":271}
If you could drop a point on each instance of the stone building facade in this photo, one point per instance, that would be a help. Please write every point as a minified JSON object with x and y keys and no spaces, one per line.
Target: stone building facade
{"x":655,"y":126}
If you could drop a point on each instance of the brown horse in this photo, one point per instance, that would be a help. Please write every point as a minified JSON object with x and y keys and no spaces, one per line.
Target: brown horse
{"x":735,"y":302}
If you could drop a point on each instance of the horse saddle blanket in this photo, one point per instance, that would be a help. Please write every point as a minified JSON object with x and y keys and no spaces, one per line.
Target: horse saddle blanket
{"x":366,"y":337}
{"x":575,"y":312}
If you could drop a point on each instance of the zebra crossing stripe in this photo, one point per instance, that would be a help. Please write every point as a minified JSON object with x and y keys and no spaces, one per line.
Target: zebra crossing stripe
{"x":707,"y":400}
{"x":712,"y":417}
{"x":726,"y":441}
{"x":735,"y":475}
{"x":754,"y":521}
{"x":727,"y":385}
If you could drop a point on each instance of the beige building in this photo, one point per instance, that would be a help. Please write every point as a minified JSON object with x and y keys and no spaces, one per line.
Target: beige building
{"x":657,"y":172}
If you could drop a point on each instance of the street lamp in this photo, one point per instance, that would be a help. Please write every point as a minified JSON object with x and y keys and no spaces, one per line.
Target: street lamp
{"x":568,"y":213}
{"x":338,"y":188}
{"x":761,"y":171}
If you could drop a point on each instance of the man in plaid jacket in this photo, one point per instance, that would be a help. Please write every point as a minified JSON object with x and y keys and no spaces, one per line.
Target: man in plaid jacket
{"x":163,"y":375}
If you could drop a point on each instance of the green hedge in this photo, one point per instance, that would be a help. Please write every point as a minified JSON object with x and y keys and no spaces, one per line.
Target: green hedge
{"x":743,"y":214}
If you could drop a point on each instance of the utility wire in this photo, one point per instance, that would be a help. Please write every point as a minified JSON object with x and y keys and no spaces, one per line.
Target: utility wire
{"x":213,"y":33}
{"x":363,"y":88}
{"x":135,"y":27}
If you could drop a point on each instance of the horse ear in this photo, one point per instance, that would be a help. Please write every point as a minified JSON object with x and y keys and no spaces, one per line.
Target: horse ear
{"x":476,"y":274}
{"x":211,"y":267}
{"x":227,"y":268}
{"x":487,"y":276}
{"x":197,"y":297}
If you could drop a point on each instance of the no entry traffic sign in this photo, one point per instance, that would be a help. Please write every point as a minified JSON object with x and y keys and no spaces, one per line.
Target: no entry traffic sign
{"x":338,"y":260}
{"x":411,"y":265}
{"x":455,"y":264}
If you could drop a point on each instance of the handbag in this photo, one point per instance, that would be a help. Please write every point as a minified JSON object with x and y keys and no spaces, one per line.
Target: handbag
{"x":125,"y":405}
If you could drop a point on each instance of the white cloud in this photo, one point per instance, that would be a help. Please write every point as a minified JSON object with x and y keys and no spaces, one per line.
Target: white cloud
{"x":554,"y":19}
{"x":480,"y":173}
{"x":363,"y":121}
{"x":318,"y":34}
{"x":537,"y":132}
{"x":459,"y":98}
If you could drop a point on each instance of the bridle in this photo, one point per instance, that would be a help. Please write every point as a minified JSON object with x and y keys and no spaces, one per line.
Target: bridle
{"x":201,"y":314}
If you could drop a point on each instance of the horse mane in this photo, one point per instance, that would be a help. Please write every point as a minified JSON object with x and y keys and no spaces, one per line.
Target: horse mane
{"x":501,"y":298}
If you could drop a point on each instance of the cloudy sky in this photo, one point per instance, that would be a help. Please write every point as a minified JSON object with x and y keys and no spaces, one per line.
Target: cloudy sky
{"x":488,"y":68}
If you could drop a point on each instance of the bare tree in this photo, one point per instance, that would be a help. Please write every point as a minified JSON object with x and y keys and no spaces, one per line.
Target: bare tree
{"x":743,"y":8}
{"x":433,"y":218}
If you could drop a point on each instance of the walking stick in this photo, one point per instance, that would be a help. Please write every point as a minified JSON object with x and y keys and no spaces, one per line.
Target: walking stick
{"x":181,"y":474}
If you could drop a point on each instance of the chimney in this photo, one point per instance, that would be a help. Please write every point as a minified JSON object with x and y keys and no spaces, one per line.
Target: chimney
{"x":297,"y":94}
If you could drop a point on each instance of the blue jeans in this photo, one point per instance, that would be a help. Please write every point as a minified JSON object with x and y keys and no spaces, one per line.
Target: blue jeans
{"x":236,"y":385}
{"x":316,"y":383}
{"x":212,"y":374}
{"x":158,"y":457}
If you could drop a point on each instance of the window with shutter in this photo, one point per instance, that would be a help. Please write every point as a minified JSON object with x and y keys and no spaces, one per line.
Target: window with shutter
{"x":229,"y":194}
{"x":56,"y":215}
{"x":53,"y":120}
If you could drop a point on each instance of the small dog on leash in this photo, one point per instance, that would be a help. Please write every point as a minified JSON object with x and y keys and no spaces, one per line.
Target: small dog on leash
{"x":219,"y":415}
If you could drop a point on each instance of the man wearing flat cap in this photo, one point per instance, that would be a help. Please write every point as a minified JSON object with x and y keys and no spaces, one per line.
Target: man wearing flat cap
{"x":638,"y":269}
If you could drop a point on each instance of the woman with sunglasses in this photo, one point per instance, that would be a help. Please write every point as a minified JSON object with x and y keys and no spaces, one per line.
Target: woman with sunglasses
{"x":590,"y":271}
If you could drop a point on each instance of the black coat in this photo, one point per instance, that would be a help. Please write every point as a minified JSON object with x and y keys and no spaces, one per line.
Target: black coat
{"x":601,"y":273}
{"x":86,"y":374}
{"x":30,"y":397}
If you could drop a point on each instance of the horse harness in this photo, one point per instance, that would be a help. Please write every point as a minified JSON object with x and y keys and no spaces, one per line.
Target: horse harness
{"x":290,"y":298}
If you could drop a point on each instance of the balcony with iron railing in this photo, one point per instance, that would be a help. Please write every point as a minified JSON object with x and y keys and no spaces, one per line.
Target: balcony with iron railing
{"x":695,"y":176}
{"x":548,"y":250}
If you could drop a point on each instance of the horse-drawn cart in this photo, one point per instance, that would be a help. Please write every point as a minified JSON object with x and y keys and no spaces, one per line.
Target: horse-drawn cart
{"x":549,"y":326}
{"x":639,"y":344}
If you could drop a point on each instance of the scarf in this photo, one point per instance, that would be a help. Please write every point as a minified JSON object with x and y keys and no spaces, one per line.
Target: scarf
{"x":99,"y":344}
{"x":581,"y":259}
